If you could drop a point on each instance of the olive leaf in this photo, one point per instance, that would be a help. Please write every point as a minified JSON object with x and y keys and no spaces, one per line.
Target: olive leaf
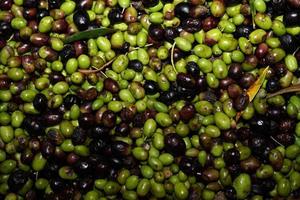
{"x":253,"y":90}
{"x":293,"y":88}
{"x":253,"y":11}
{"x":88,"y":34}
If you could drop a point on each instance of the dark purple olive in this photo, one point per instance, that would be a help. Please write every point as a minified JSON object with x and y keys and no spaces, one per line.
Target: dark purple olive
{"x":54,"y":4}
{"x":109,"y":119}
{"x":86,"y":120}
{"x":83,"y":168}
{"x":111,"y":85}
{"x":185,"y":80}
{"x":67,"y":53}
{"x":191,"y":25}
{"x":41,"y":13}
{"x":99,"y":132}
{"x":47,"y":149}
{"x":241,"y":102}
{"x":6,"y":4}
{"x":81,"y":19}
{"x":187,"y":112}
{"x":235,"y":71}
{"x":294,"y":3}
{"x":174,"y":144}
{"x":30,"y":3}
{"x":70,"y":100}
{"x":156,"y":32}
{"x":52,"y":118}
{"x":187,"y":165}
{"x":122,"y":129}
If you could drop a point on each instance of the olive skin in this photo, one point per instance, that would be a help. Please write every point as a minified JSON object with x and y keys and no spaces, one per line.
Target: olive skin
{"x":174,"y":144}
{"x":291,"y":18}
{"x":81,"y":20}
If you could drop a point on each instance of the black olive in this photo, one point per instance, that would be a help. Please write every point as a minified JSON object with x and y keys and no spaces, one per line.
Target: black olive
{"x":150,"y":3}
{"x":272,"y":85}
{"x":81,"y":20}
{"x":232,"y":2}
{"x":67,"y":53}
{"x":171,"y":33}
{"x":174,"y":144}
{"x":187,"y":94}
{"x":86,"y":120}
{"x":97,"y":145}
{"x":187,"y":165}
{"x":115,"y":15}
{"x":150,"y":87}
{"x":79,"y":136}
{"x":192,"y":68}
{"x":182,"y":10}
{"x":33,"y":126}
{"x":57,"y":184}
{"x":83,"y":168}
{"x":257,"y":144}
{"x":291,"y":18}
{"x":17,"y":180}
{"x":288,"y":43}
{"x":99,"y":132}
{"x":276,"y":7}
{"x":40,"y":102}
{"x":6,"y":4}
{"x":230,"y":193}
{"x":136,"y":65}
{"x":42,"y":13}
{"x":243,"y":31}
{"x":70,"y":100}
{"x":52,"y":4}
{"x":232,"y":156}
{"x":5,"y":30}
{"x":260,"y":124}
{"x":120,"y":148}
{"x":30,"y":3}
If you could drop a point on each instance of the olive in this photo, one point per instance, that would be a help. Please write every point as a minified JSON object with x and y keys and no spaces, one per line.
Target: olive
{"x":174,"y":144}
{"x":115,"y":15}
{"x":170,"y":33}
{"x":182,"y":10}
{"x":288,"y":43}
{"x":156,"y":32}
{"x":243,"y":31}
{"x":193,"y":69}
{"x":79,"y":136}
{"x":17,"y":180}
{"x":291,"y":18}
{"x":40,"y":102}
{"x":81,"y":19}
{"x":5,"y":30}
{"x":70,"y":100}
{"x":33,"y":126}
{"x":151,"y":87}
{"x":150,"y":3}
{"x":136,"y":65}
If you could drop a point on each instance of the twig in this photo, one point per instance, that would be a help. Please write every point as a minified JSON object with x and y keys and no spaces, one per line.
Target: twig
{"x":89,"y":71}
{"x":172,"y":57}
{"x":294,"y":88}
{"x":276,"y":141}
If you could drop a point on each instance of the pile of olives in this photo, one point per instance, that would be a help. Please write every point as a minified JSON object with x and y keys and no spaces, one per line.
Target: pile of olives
{"x":162,"y":106}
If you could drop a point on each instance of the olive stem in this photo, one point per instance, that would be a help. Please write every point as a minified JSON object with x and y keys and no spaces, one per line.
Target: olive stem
{"x":296,"y":51}
{"x":276,"y":141}
{"x":88,"y":71}
{"x":294,"y":88}
{"x":172,"y":57}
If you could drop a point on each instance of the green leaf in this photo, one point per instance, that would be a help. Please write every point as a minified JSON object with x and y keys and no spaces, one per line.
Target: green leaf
{"x":253,"y":90}
{"x":88,"y":34}
{"x":293,"y":88}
